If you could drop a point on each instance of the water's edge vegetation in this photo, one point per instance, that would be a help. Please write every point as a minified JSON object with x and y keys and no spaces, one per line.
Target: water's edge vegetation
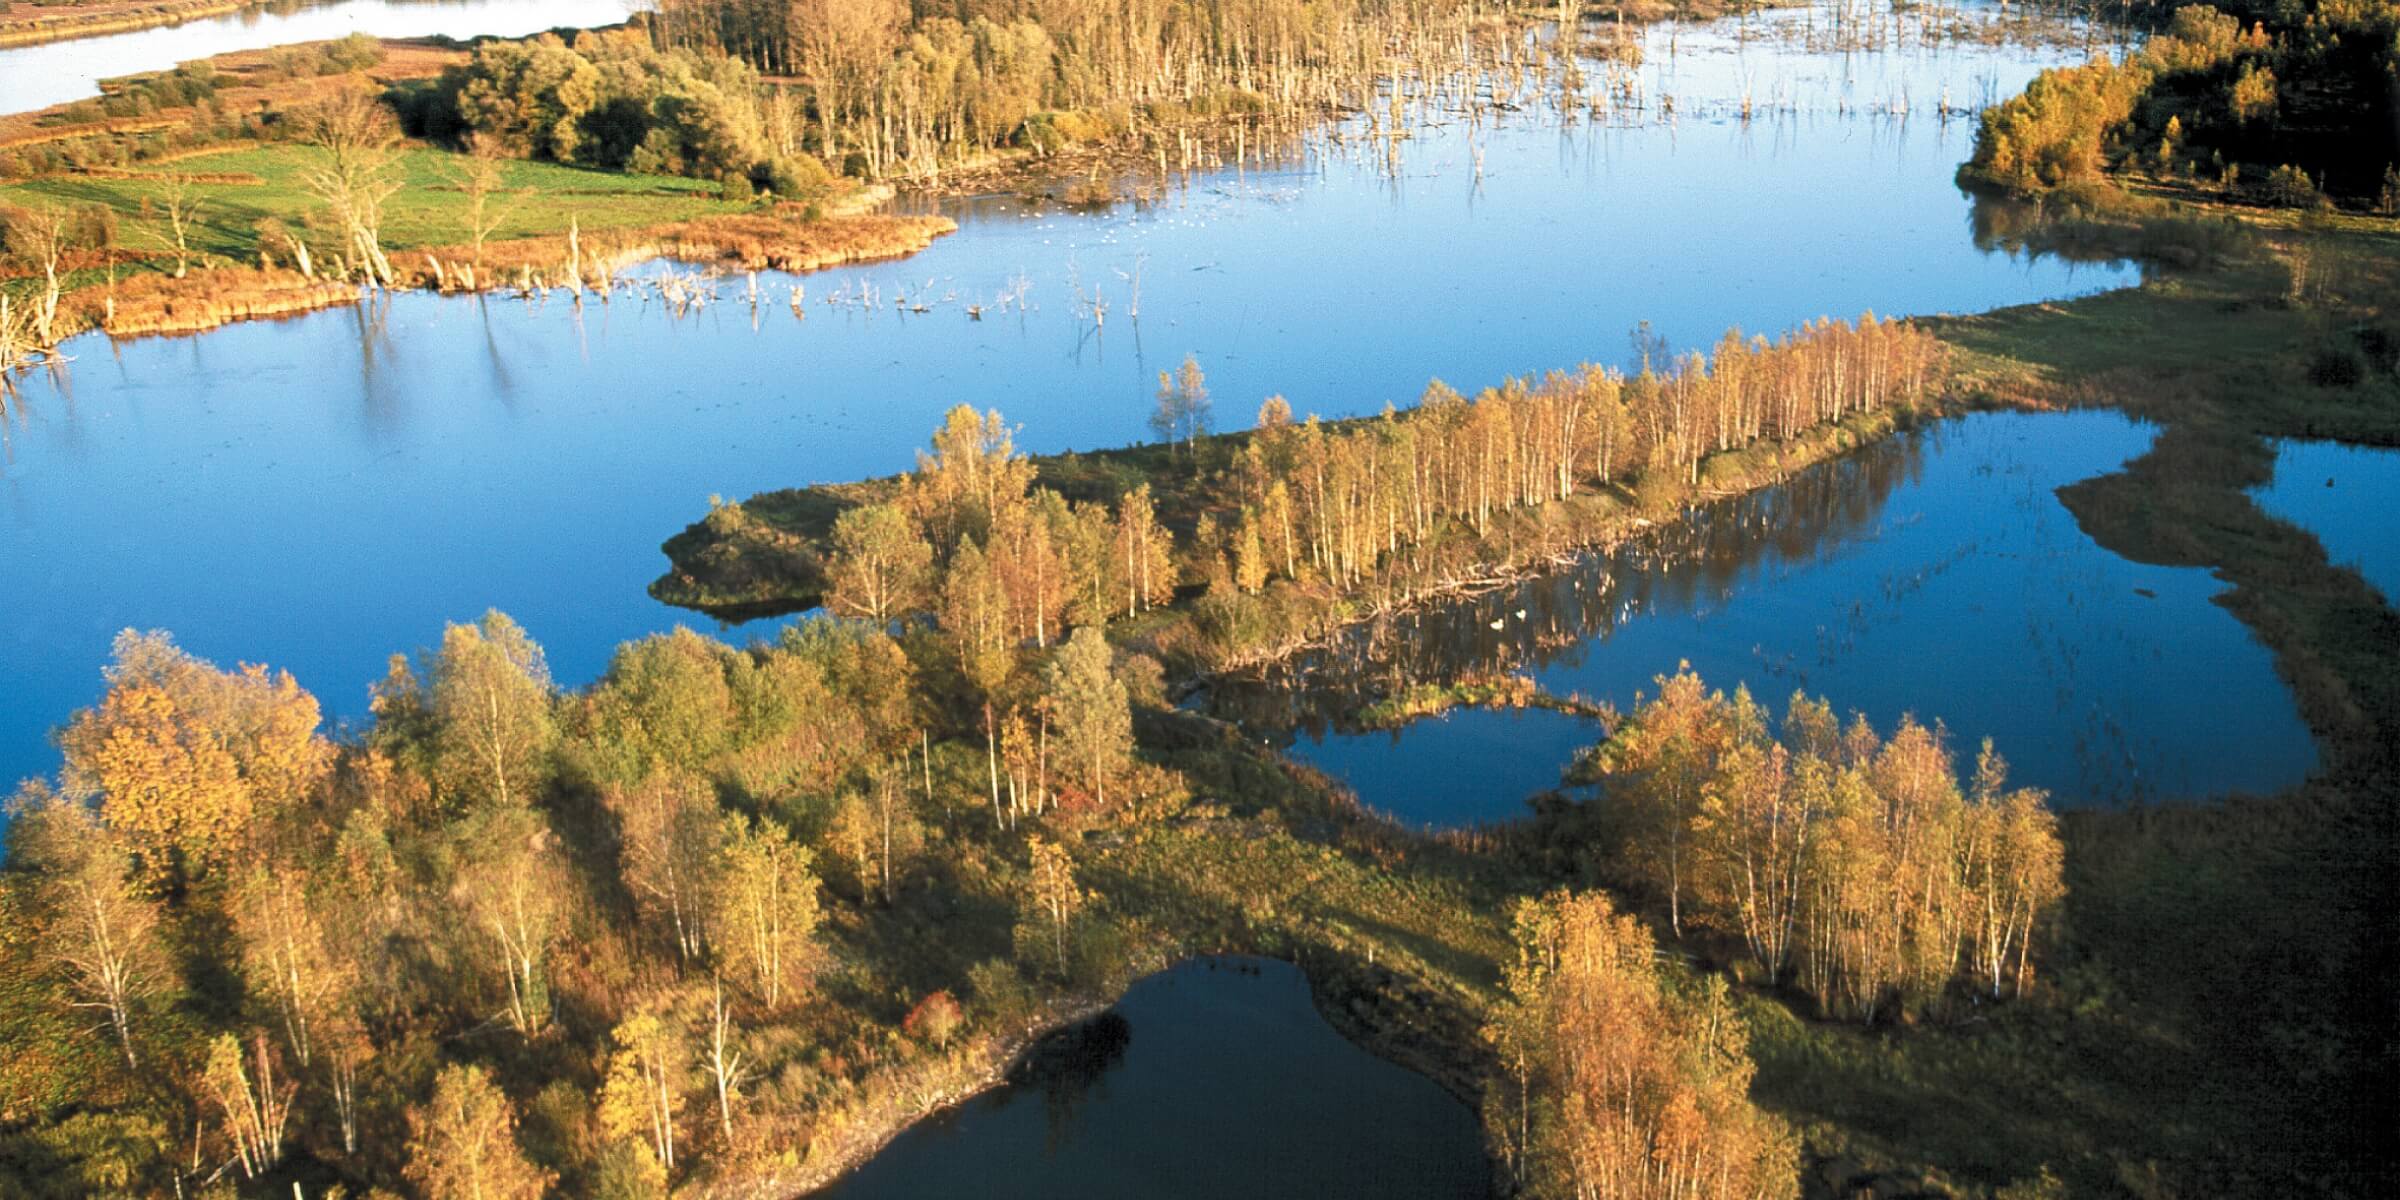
{"x":728,"y":919}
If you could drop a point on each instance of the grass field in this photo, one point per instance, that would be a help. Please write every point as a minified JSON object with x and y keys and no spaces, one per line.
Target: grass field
{"x":428,"y":210}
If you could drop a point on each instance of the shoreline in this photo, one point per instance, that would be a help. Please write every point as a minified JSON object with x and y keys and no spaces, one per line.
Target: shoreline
{"x":43,"y":30}
{"x":207,"y":299}
{"x":1337,"y":995}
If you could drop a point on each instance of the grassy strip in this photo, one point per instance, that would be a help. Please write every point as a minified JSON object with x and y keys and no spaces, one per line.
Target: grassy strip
{"x":622,"y":219}
{"x":428,"y":210}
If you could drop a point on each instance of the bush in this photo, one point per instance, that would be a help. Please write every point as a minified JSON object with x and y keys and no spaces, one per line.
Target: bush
{"x":735,"y":186}
{"x":93,"y":227}
{"x":1000,"y":991}
{"x":2288,"y":186}
{"x":794,"y":178}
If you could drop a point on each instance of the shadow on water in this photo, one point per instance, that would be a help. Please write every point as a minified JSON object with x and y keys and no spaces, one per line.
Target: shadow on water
{"x":1678,"y":566}
{"x":1935,"y":573}
{"x":1069,"y":1068}
{"x":1235,"y":1086}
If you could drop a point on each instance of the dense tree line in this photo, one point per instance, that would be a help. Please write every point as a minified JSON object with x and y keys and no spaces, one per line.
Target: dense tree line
{"x":1332,"y":504}
{"x":507,"y":938}
{"x":610,"y":99}
{"x":1309,"y":509}
{"x":2278,"y":103}
{"x":895,"y":86}
{"x":1622,"y":1083}
{"x":1853,"y":865}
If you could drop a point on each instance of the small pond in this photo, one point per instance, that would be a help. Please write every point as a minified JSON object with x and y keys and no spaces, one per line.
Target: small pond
{"x":1214,"y":1078}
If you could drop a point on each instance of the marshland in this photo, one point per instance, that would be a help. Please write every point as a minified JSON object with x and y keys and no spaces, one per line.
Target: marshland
{"x":1429,"y":600}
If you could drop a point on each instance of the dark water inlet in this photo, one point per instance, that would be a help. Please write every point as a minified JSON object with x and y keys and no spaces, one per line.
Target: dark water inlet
{"x":1213,"y":1078}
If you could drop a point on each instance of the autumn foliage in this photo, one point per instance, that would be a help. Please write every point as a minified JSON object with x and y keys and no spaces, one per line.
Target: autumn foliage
{"x":185,"y":757}
{"x":1854,"y":865}
{"x":1622,"y":1084}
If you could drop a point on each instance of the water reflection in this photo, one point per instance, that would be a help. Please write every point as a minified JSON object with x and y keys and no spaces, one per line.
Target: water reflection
{"x":320,"y":492}
{"x":1067,"y":1069}
{"x":1682,"y":566}
{"x":1936,"y":573}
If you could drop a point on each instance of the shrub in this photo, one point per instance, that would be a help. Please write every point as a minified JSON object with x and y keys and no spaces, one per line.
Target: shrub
{"x":935,"y":1019}
{"x":2288,"y":186}
{"x":1000,"y":991}
{"x":2381,"y":346}
{"x":796,"y":177}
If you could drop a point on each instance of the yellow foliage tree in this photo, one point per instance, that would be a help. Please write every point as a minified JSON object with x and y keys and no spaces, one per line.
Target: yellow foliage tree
{"x":186,"y":759}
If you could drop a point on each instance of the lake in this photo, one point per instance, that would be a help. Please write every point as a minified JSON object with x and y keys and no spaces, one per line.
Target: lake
{"x":319,"y":493}
{"x":1213,"y":1078}
{"x":39,"y":76}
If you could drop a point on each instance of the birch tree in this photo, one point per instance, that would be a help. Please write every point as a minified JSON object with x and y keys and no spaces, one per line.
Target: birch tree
{"x":98,"y":926}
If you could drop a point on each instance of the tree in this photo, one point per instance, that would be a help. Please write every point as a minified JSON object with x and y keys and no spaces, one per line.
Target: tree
{"x":97,"y":925}
{"x":528,"y":98}
{"x":1850,"y":860}
{"x":1622,"y":1086}
{"x":936,"y":1019}
{"x":672,"y":837}
{"x":253,"y":1112}
{"x":1249,"y":555}
{"x":1095,"y":718}
{"x":479,"y":176}
{"x":187,"y":760}
{"x":490,"y":704}
{"x":352,"y":177}
{"x":286,"y":958}
{"x":975,"y":618}
{"x":39,"y":235}
{"x":1182,"y":414}
{"x":843,"y":46}
{"x":1144,"y":552}
{"x":973,"y":472}
{"x":347,"y":1050}
{"x":665,"y":704}
{"x":767,"y":910}
{"x":724,"y":1061}
{"x":181,"y":206}
{"x":643,"y":1093}
{"x":463,"y":1143}
{"x":1658,"y":765}
{"x":880,"y":564}
{"x":511,"y":886}
{"x":1051,"y":893}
